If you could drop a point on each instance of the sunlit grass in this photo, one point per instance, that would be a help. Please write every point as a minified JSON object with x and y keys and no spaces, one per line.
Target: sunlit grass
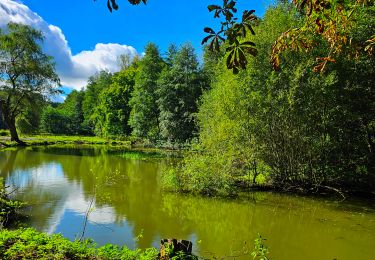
{"x":55,"y":139}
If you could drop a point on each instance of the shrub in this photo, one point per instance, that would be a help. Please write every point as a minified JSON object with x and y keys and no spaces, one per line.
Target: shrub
{"x":30,"y":244}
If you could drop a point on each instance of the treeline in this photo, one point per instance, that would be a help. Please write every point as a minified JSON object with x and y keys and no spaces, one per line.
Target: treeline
{"x":152,"y":98}
{"x":295,"y":128}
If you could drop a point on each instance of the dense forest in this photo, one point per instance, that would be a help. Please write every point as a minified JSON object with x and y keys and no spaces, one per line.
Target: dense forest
{"x":152,"y":98}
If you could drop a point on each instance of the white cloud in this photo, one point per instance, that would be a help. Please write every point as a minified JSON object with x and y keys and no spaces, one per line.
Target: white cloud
{"x":74,"y":70}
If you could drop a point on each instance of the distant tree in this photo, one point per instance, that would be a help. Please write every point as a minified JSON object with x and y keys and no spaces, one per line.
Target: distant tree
{"x":144,"y":115}
{"x":96,"y":84}
{"x":171,"y":54}
{"x":56,"y":121}
{"x":73,"y":106}
{"x":25,"y":73}
{"x":113,"y":111}
{"x":65,"y":118}
{"x":179,"y":88}
{"x":125,"y":61}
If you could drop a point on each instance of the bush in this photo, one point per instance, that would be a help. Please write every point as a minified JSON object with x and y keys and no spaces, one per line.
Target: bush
{"x":206,"y":174}
{"x":8,"y":208}
{"x":30,"y":244}
{"x":56,"y":121}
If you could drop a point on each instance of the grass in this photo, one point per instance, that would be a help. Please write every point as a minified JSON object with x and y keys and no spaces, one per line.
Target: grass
{"x":140,"y":154}
{"x":39,"y":140}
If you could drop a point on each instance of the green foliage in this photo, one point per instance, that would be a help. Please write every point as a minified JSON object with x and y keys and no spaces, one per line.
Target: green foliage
{"x":9,"y":209}
{"x":56,"y":121}
{"x":296,"y":127}
{"x":152,"y":99}
{"x":112,"y":114}
{"x":37,"y":140}
{"x":179,"y":87}
{"x":27,"y":74}
{"x":260,"y":250}
{"x":30,"y":244}
{"x":73,"y":106}
{"x":144,"y":117}
{"x":195,"y":174}
{"x":29,"y":122}
{"x":4,"y":132}
{"x":95,"y":86}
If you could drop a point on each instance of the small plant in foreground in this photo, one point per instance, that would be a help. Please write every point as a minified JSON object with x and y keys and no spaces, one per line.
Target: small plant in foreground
{"x":260,"y":251}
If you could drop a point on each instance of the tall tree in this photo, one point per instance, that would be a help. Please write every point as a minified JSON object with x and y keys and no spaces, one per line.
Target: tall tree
{"x":96,"y":84}
{"x":179,"y":89}
{"x":73,"y":106}
{"x":144,"y":115}
{"x":112,"y":113}
{"x":2,"y":123}
{"x":25,"y":72}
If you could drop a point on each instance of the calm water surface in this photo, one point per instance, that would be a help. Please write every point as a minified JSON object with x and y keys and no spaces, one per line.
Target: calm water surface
{"x":60,"y":183}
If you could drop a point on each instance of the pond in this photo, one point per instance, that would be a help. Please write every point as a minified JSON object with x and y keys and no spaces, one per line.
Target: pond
{"x":129,"y":207}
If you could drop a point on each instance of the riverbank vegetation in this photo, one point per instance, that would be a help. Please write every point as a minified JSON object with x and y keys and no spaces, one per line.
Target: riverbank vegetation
{"x":292,"y":129}
{"x":30,"y":244}
{"x":9,"y":209}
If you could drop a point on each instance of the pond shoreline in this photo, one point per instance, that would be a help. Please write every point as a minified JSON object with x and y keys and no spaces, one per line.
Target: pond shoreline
{"x":131,"y":146}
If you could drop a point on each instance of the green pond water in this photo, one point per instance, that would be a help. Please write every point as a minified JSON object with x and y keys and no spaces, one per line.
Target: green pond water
{"x":60,"y":183}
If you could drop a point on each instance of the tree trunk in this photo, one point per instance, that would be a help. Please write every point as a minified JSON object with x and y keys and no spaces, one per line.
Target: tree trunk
{"x":11,"y":122}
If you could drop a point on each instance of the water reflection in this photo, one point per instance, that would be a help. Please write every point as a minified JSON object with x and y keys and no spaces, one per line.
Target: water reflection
{"x":59,"y":184}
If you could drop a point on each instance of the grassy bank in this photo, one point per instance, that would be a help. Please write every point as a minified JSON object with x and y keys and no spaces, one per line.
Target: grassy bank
{"x":39,"y":140}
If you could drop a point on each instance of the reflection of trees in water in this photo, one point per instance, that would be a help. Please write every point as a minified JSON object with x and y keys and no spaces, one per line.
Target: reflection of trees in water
{"x":285,"y":221}
{"x":7,"y":162}
{"x":131,"y":188}
{"x":15,"y":166}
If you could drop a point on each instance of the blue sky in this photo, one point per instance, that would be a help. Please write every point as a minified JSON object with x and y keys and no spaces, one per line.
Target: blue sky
{"x":85,"y":22}
{"x":84,"y":37}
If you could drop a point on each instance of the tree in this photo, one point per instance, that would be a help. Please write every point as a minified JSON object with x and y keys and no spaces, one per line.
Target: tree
{"x":144,"y":117}
{"x":113,"y":111}
{"x":29,"y":121}
{"x":25,"y":72}
{"x":56,"y":121}
{"x":2,"y":123}
{"x":327,"y":21}
{"x":125,"y":61}
{"x":65,"y":118}
{"x":96,"y":84}
{"x":179,"y":88}
{"x":73,"y":106}
{"x":299,"y":128}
